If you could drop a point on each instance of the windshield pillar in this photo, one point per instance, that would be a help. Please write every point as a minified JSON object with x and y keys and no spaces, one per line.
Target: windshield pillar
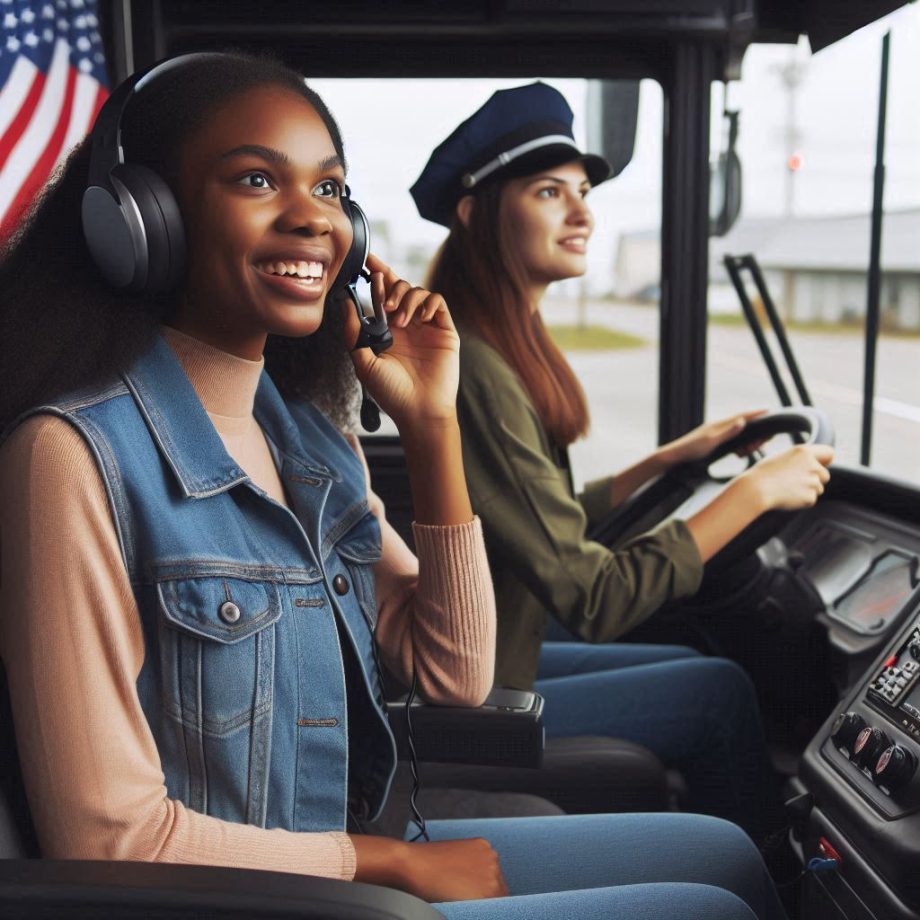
{"x":685,"y":240}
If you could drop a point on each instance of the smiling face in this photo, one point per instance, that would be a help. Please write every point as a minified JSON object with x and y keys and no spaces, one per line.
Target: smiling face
{"x":550,"y":223}
{"x":260,"y":189}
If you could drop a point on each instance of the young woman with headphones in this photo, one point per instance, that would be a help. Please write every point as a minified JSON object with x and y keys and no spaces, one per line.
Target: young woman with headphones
{"x":196,"y":577}
{"x":511,"y":185}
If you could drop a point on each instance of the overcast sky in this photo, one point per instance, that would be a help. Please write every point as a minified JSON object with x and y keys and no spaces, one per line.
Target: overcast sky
{"x":391,"y":126}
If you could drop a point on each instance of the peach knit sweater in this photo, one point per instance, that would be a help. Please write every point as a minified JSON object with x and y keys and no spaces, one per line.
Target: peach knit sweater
{"x":71,"y":642}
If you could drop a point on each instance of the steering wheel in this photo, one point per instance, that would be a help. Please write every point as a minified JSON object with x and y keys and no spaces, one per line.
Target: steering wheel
{"x":687,"y":487}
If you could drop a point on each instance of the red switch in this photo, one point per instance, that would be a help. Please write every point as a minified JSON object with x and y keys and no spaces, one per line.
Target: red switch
{"x":827,"y":851}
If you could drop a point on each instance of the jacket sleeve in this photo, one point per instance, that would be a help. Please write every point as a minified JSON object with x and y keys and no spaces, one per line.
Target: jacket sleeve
{"x":595,"y":498}
{"x":536,"y":528}
{"x":72,"y":646}
{"x":436,"y":613}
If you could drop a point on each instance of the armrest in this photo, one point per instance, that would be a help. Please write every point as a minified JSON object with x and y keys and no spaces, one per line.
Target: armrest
{"x":83,"y":890}
{"x":582,"y":775}
{"x":506,"y":730}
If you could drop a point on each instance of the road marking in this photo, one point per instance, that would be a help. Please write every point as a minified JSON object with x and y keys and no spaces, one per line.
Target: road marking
{"x":896,"y":408}
{"x":847,"y":395}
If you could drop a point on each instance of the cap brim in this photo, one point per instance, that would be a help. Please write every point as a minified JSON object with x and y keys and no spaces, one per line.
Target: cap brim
{"x":596,"y":167}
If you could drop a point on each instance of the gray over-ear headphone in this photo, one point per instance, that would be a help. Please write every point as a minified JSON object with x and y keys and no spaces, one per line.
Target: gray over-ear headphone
{"x":131,"y":220}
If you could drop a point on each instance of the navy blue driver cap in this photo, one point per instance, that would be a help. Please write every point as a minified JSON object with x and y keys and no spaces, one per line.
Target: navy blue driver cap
{"x":516,"y":132}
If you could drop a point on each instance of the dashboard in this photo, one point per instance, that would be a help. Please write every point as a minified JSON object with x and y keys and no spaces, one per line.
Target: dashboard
{"x":858,"y":783}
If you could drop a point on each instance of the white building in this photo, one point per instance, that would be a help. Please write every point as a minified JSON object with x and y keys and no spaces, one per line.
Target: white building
{"x":815,"y":267}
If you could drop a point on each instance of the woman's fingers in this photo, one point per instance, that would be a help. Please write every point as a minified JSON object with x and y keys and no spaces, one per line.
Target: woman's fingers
{"x":405,"y":304}
{"x":409,"y":303}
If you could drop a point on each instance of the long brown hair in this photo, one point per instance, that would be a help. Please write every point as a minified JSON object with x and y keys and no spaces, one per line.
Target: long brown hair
{"x":482,"y":277}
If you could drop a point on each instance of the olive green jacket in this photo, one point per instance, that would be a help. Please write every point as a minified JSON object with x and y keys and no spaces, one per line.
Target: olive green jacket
{"x":542,"y":562}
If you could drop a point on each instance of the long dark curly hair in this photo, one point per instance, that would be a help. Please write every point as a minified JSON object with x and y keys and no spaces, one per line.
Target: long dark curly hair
{"x":62,"y":327}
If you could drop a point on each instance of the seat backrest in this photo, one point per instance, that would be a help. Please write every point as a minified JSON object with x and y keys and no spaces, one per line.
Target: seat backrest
{"x":17,"y":835}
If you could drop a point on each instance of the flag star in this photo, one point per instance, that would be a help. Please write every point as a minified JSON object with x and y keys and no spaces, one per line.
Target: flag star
{"x":12,"y":43}
{"x":48,"y":35}
{"x":31,"y":39}
{"x":9,"y":21}
{"x":92,"y":20}
{"x":63,"y":25}
{"x":77,"y":4}
{"x":28,"y":15}
{"x":85,"y":65}
{"x":80,"y":22}
{"x":47,"y":11}
{"x":83,"y":43}
{"x":99,"y":57}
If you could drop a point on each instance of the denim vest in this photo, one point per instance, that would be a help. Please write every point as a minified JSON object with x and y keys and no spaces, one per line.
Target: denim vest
{"x":259,"y":680}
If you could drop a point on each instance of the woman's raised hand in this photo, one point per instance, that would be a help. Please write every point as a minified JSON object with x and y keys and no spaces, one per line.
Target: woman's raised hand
{"x":415,"y":380}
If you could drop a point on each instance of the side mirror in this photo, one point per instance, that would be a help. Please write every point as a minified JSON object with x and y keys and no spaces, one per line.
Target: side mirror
{"x":725,"y":184}
{"x":612,"y":115}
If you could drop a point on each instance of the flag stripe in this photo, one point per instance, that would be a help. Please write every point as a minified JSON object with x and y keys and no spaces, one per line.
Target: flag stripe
{"x":48,"y":158}
{"x":15,"y":90}
{"x":44,"y":120}
{"x":21,"y":119}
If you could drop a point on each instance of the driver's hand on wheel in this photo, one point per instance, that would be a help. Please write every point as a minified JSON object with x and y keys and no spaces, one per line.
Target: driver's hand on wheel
{"x":703,"y":440}
{"x":792,"y":479}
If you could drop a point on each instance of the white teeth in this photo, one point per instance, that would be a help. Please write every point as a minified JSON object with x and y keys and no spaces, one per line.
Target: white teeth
{"x":301,"y":269}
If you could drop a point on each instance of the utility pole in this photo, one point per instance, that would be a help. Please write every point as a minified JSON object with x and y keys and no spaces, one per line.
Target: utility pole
{"x":791,"y":74}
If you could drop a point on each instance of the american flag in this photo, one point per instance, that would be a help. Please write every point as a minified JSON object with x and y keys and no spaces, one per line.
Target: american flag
{"x":52,"y":84}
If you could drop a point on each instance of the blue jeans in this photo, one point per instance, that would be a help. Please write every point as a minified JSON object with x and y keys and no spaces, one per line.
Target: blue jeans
{"x":698,"y":715}
{"x":605,"y":867}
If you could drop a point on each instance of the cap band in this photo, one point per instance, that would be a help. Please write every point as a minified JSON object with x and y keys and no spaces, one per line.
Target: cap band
{"x":469,"y":180}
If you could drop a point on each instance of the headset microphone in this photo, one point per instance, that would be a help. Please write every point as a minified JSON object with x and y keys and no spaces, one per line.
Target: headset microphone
{"x":353,"y":281}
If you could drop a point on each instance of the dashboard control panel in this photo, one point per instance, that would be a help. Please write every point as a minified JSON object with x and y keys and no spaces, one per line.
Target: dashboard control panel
{"x":875,"y":741}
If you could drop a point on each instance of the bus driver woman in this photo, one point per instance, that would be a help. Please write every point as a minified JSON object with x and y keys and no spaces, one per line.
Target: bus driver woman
{"x":512,"y":187}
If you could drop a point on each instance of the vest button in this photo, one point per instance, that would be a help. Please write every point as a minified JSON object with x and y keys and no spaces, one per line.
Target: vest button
{"x":229,"y":612}
{"x":340,"y":584}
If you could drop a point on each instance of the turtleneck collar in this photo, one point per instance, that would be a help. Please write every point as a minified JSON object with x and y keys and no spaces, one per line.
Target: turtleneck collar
{"x":225,"y":383}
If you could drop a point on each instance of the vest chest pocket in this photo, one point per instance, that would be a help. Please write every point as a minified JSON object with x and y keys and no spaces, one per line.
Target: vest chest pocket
{"x":359,"y":548}
{"x":217,"y":650}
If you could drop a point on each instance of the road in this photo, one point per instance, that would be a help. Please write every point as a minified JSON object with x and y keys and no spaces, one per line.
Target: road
{"x":622,"y":389}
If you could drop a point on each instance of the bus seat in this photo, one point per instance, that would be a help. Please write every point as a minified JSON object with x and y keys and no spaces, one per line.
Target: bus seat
{"x":86,"y":890}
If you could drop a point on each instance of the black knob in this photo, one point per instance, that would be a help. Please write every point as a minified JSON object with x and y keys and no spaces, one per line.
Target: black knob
{"x":914,"y":649}
{"x":895,"y":767}
{"x":846,"y":729}
{"x":868,"y":747}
